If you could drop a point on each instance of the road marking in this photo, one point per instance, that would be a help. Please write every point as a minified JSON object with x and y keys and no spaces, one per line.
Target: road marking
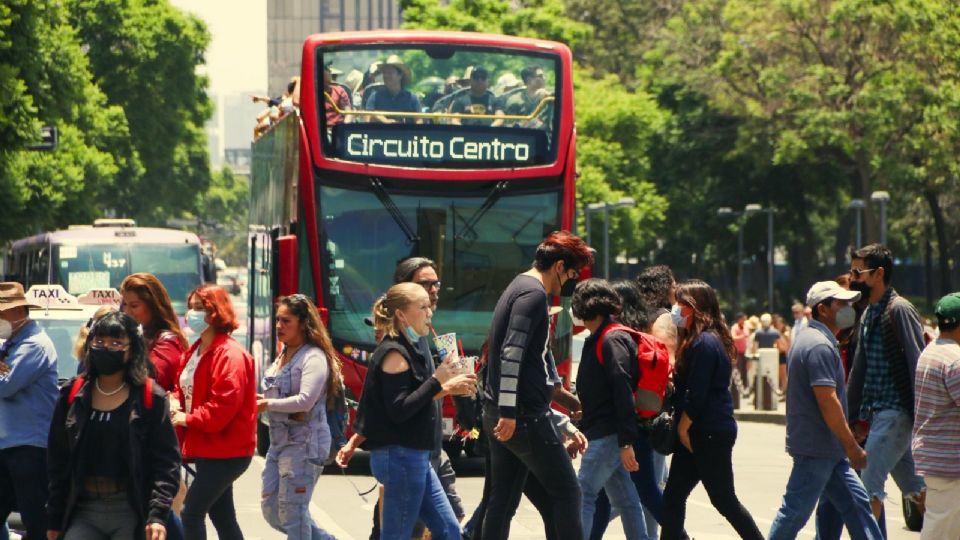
{"x":324,"y":520}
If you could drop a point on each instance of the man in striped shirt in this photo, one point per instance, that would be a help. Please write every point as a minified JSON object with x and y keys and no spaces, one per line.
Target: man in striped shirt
{"x":936,"y":431}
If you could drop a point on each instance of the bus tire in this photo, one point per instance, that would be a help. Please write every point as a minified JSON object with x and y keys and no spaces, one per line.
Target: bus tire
{"x":263,"y":438}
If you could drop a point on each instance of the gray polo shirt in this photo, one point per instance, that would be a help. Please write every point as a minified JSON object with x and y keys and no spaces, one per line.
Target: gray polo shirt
{"x":814,"y":360}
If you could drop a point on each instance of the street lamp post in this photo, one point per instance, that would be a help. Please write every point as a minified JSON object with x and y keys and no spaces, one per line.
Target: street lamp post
{"x":752,"y":209}
{"x":857,"y":205}
{"x":624,"y":202}
{"x":726,"y":211}
{"x":882,"y":198}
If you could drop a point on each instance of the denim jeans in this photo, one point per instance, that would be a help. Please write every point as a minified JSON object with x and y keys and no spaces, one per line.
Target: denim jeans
{"x":813,"y":479}
{"x":411,"y":489}
{"x":648,"y":480}
{"x":23,"y":485}
{"x":535,"y":448}
{"x":288,"y":483}
{"x":711,"y":462}
{"x":888,"y":448}
{"x":109,"y":518}
{"x":601,"y":468}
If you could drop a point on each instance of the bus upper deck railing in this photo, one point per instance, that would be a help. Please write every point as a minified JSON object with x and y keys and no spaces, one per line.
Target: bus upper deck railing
{"x":441,"y":116}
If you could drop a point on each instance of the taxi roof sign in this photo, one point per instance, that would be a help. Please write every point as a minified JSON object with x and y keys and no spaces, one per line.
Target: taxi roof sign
{"x":51,"y":296}
{"x":101,"y":297}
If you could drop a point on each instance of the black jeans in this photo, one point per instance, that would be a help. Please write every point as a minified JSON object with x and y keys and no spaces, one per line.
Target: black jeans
{"x":23,"y":487}
{"x":710,"y":463}
{"x":535,"y":448}
{"x":212,"y":493}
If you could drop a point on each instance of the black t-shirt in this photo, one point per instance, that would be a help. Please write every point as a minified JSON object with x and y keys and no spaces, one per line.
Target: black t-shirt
{"x":471,"y":104}
{"x":606,"y":390}
{"x":518,"y":379}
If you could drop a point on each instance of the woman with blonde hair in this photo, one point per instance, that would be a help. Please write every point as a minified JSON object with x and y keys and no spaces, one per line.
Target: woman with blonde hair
{"x":397,"y":419}
{"x":298,"y":386}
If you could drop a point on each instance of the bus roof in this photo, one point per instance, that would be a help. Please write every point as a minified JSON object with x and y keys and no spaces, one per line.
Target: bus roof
{"x":429,"y":36}
{"x":109,"y":235}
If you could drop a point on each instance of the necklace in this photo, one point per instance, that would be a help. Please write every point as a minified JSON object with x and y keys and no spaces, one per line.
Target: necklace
{"x":112,"y":393}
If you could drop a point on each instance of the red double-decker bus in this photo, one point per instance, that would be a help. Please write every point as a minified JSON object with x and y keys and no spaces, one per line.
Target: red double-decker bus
{"x":454,"y":146}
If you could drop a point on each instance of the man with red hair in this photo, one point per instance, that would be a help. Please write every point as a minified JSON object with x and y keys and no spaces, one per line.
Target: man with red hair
{"x":519,"y":387}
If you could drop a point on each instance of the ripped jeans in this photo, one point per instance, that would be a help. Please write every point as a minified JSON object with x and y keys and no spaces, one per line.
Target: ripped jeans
{"x":288,"y":482}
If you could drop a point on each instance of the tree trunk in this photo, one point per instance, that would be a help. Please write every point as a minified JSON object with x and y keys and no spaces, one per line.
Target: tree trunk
{"x":943,"y":248}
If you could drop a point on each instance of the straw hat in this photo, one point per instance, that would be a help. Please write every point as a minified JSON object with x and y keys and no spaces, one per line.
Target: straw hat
{"x":12,"y":296}
{"x":397,"y":62}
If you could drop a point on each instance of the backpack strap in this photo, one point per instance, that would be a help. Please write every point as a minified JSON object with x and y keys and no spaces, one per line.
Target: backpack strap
{"x":611,"y":328}
{"x":75,"y":388}
{"x":148,"y":393}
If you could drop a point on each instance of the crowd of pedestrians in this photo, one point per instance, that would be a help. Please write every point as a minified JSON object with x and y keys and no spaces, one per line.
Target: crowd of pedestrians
{"x":152,"y":420}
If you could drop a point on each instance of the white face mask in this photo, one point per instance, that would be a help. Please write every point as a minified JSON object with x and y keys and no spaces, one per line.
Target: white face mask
{"x":846,"y":317}
{"x":576,"y":321}
{"x":6,"y":328}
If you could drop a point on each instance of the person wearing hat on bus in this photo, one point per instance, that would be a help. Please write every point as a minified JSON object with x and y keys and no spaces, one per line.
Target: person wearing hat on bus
{"x":335,"y":98}
{"x":28,"y":394}
{"x":393,"y":96}
{"x":478,"y":101}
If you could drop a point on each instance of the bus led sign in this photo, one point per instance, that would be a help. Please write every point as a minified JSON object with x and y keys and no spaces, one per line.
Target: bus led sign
{"x":392,"y":146}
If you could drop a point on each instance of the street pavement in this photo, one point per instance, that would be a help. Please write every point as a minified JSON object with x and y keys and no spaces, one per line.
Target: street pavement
{"x":761,"y":468}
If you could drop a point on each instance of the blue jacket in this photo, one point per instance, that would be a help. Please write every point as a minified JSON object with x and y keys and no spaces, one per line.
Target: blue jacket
{"x":28,"y":392}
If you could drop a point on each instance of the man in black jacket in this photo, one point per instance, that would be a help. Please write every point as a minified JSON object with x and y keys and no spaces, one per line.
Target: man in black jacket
{"x":519,"y":388}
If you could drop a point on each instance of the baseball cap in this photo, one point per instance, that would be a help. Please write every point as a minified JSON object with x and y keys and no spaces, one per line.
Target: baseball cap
{"x":825,"y":290}
{"x":948,"y":310}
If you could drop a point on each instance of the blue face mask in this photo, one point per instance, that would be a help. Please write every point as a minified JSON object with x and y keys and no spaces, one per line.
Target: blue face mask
{"x":412,"y":334}
{"x":678,"y":319}
{"x":195,"y":320}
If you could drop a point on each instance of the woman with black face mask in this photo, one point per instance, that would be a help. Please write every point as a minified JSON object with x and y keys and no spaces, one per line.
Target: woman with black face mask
{"x":113,"y":456}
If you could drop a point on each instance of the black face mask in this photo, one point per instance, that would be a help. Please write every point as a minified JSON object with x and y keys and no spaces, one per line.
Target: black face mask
{"x":105,"y":361}
{"x":568,"y":286}
{"x":861,"y":287}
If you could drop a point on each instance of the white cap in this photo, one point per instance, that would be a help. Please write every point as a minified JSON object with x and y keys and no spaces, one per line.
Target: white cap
{"x":824,"y":290}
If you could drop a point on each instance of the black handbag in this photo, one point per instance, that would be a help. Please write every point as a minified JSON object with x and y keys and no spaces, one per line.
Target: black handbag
{"x":663,"y":433}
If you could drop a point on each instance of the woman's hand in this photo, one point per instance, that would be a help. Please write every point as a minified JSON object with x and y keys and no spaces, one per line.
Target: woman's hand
{"x":179,"y":418}
{"x":174,"y":405}
{"x":445,"y":371}
{"x":576,"y":445}
{"x":683,"y":432}
{"x":262,"y":403}
{"x":156,"y":531}
{"x":461,"y":385}
{"x":347,"y":450}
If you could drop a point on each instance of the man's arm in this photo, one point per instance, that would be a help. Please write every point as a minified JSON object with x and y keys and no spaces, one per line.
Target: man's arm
{"x":26,"y":363}
{"x":832,"y":412}
{"x":527,"y":312}
{"x":909,"y":331}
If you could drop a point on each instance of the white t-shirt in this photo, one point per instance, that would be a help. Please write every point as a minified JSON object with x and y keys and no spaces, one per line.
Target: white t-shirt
{"x":186,"y":379}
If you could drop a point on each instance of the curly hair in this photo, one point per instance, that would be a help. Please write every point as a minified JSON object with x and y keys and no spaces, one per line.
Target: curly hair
{"x":655,"y":284}
{"x":594,"y":298}
{"x":117,"y":325}
{"x":315,"y":333}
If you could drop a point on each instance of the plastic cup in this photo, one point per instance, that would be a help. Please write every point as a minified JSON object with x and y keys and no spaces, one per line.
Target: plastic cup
{"x":446,"y":345}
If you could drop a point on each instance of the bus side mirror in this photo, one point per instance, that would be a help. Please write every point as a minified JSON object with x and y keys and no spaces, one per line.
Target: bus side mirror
{"x":287,"y":265}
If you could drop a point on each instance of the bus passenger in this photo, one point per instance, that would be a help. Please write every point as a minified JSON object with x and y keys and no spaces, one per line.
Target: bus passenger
{"x":526,"y":102}
{"x":396,"y":413}
{"x":393,"y":96}
{"x":216,"y":407}
{"x":298,"y":386}
{"x":146,"y":300}
{"x":338,"y":97}
{"x":114,"y":461}
{"x":479,"y":101}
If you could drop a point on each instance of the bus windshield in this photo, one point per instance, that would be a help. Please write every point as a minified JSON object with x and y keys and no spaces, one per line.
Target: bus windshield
{"x":480,"y":241}
{"x":439,"y":106}
{"x":90,"y":266}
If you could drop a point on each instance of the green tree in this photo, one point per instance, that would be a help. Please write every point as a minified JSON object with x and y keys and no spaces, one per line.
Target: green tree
{"x":144,"y":55}
{"x":45,"y":80}
{"x":222,"y":211}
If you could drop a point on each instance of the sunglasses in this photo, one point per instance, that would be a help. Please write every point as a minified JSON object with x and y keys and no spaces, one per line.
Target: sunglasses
{"x":428,"y":283}
{"x":857,"y":272}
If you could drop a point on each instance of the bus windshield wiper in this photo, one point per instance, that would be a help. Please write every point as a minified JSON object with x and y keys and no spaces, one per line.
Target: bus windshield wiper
{"x":488,"y":203}
{"x":381,"y":192}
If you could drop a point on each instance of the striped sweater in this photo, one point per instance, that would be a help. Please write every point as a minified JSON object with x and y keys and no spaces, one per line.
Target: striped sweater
{"x":936,"y":427}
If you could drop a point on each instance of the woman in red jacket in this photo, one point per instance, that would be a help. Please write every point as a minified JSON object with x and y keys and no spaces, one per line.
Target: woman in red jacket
{"x":146,"y":300}
{"x":217,"y":408}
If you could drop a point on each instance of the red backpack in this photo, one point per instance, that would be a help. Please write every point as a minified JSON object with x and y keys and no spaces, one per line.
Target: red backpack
{"x":147,"y":391}
{"x":653,"y":362}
